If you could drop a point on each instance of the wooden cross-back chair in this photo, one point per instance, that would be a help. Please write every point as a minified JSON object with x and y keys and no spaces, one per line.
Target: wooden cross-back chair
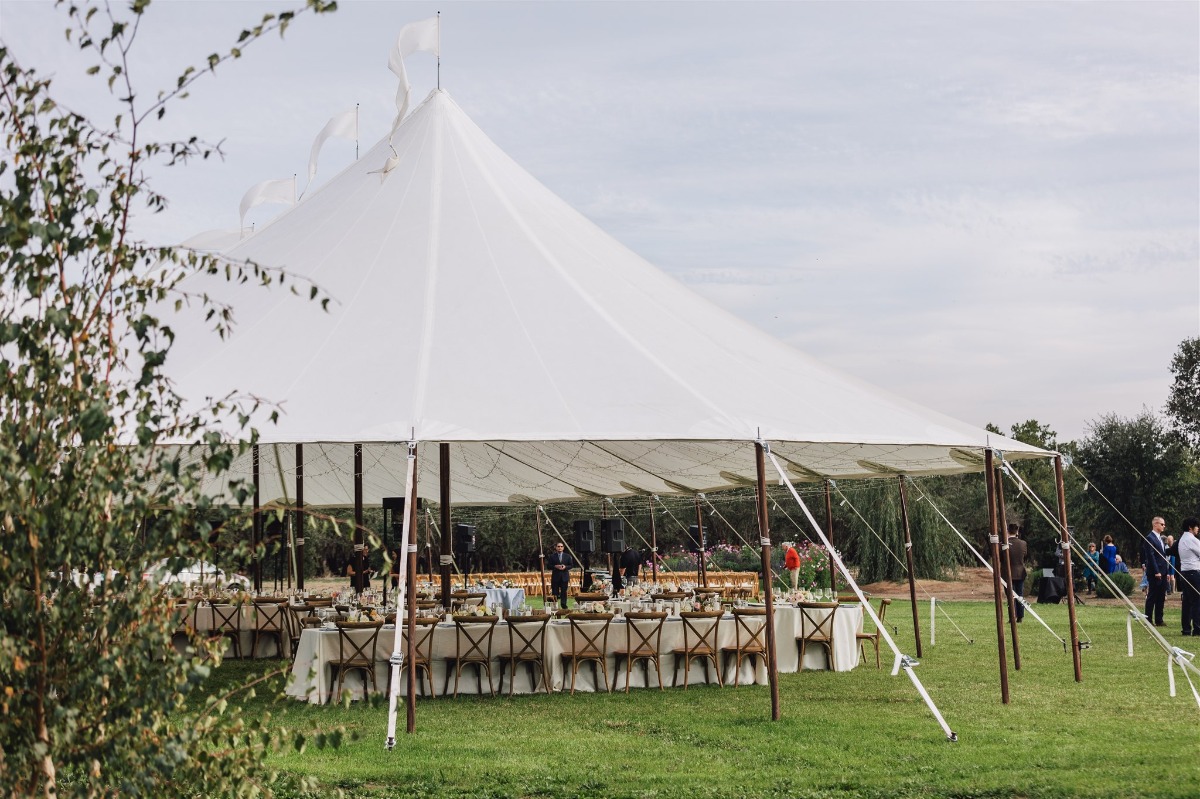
{"x":862,"y":638}
{"x":422,"y":650}
{"x":526,"y":645}
{"x":472,"y":647}
{"x":589,"y":644}
{"x":226,"y":623}
{"x":749,"y":638}
{"x":643,"y":642}
{"x":355,"y":653}
{"x":270,"y":621}
{"x":699,"y":643}
{"x":816,"y":620}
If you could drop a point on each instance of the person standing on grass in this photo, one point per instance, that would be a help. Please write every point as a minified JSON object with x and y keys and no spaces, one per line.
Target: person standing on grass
{"x":1092,"y":569}
{"x":1189,"y":575}
{"x":791,"y":562}
{"x":561,"y":564}
{"x":1017,"y":551}
{"x":1154,"y":556}
{"x":1108,"y":555}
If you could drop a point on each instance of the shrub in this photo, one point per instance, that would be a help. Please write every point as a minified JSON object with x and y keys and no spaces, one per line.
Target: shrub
{"x":1123,"y":581}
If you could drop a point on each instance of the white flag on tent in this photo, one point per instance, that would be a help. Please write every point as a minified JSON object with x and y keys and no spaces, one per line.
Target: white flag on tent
{"x":269,"y":191}
{"x":414,"y":37}
{"x":342,"y":126}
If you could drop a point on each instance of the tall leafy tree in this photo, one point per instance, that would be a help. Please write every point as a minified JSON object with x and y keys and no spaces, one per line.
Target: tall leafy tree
{"x":1183,"y":403}
{"x":94,"y":698}
{"x":1142,"y":469}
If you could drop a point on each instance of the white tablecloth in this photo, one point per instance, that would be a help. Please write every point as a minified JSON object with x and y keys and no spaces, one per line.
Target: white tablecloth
{"x":507,"y":598}
{"x":205,"y":620}
{"x":311,"y":675}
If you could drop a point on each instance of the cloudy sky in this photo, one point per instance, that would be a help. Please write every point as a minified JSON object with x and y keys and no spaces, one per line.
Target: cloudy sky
{"x":990,"y":208}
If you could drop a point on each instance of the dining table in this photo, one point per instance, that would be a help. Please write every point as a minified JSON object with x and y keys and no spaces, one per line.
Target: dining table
{"x":311,"y":678}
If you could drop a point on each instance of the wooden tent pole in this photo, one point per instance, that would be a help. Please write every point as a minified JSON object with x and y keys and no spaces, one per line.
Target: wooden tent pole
{"x":410,"y":656}
{"x":994,"y":540}
{"x":653,"y":544}
{"x":358,"y":581}
{"x":300,"y":517}
{"x":1006,"y":562}
{"x":256,"y":534}
{"x":701,"y":567}
{"x":447,"y":548}
{"x":1069,"y":574}
{"x":908,"y":557}
{"x":541,"y":553}
{"x":829,"y":535}
{"x":764,"y":536}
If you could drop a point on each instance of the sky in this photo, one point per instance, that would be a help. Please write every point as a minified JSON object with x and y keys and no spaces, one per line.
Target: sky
{"x":992,"y":209}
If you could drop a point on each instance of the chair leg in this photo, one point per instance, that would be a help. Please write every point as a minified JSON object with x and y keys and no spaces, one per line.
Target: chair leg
{"x":658,"y":668}
{"x":876,"y":642}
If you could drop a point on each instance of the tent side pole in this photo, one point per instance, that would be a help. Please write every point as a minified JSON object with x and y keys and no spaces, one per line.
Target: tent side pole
{"x":764,"y":534}
{"x":701,"y":570}
{"x":994,"y":540}
{"x":411,"y":611}
{"x":300,"y":516}
{"x":653,"y":544}
{"x":447,"y":549}
{"x":1006,"y":562}
{"x":358,"y":583}
{"x":255,"y":521}
{"x":1066,"y":550}
{"x":537,"y":517}
{"x":829,"y":535}
{"x":908,"y":557}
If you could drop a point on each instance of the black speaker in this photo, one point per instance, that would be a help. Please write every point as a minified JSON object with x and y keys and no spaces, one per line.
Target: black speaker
{"x":695,"y":542}
{"x":585,"y":536}
{"x":464,"y":538}
{"x":612,"y":535}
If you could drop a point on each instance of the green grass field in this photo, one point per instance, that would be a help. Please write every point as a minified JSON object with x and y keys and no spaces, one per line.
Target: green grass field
{"x":855,"y":734}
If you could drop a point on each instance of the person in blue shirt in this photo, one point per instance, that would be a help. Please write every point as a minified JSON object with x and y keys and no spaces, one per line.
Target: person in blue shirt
{"x":1108,"y":555}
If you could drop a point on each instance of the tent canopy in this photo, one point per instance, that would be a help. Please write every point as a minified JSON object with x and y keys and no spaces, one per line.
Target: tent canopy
{"x":473,"y":306}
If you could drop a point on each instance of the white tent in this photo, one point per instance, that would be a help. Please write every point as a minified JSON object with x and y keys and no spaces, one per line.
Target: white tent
{"x":475,"y":307}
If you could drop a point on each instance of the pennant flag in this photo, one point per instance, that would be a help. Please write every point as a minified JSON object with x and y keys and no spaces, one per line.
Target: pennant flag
{"x":423,"y":36}
{"x":342,"y":126}
{"x":282,"y":192}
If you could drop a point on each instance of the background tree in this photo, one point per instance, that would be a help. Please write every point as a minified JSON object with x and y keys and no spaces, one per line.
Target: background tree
{"x":1143,"y":469}
{"x":1183,"y":403}
{"x":94,"y":699}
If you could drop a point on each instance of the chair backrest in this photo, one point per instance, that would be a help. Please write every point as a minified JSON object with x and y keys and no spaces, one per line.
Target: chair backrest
{"x":269,"y":616}
{"x":474,"y":637}
{"x":590,"y":596}
{"x":817,"y":620}
{"x":423,"y":637}
{"x":224,"y":617}
{"x":751,"y":625}
{"x":643,"y":631}
{"x":700,"y":629}
{"x":883,"y":606}
{"x":527,"y":635}
{"x":589,"y":632}
{"x":357,"y":648}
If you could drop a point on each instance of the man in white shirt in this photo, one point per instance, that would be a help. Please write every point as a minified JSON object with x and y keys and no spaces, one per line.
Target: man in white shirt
{"x":1188,"y":548}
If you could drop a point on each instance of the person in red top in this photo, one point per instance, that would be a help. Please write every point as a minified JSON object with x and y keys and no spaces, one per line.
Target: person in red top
{"x":791,"y":562}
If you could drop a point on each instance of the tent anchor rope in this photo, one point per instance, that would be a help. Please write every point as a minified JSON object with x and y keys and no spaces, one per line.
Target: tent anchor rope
{"x":895,"y":557}
{"x":1028,"y":607}
{"x":396,"y":661}
{"x":902,"y":662}
{"x":1155,"y":635}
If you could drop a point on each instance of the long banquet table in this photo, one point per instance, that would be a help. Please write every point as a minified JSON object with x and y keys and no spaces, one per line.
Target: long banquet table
{"x":311,"y":677}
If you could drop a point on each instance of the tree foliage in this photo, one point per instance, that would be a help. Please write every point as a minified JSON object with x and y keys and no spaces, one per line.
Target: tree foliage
{"x":1142,"y":469}
{"x":1183,"y":402}
{"x":94,"y":699}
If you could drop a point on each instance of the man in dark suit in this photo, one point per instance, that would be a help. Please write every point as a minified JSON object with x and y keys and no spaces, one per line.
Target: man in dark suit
{"x":1154,"y":556}
{"x":561,"y":564}
{"x":1017,"y":550}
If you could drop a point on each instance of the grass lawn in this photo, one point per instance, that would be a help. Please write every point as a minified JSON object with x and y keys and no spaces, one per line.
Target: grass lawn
{"x":855,"y":734}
